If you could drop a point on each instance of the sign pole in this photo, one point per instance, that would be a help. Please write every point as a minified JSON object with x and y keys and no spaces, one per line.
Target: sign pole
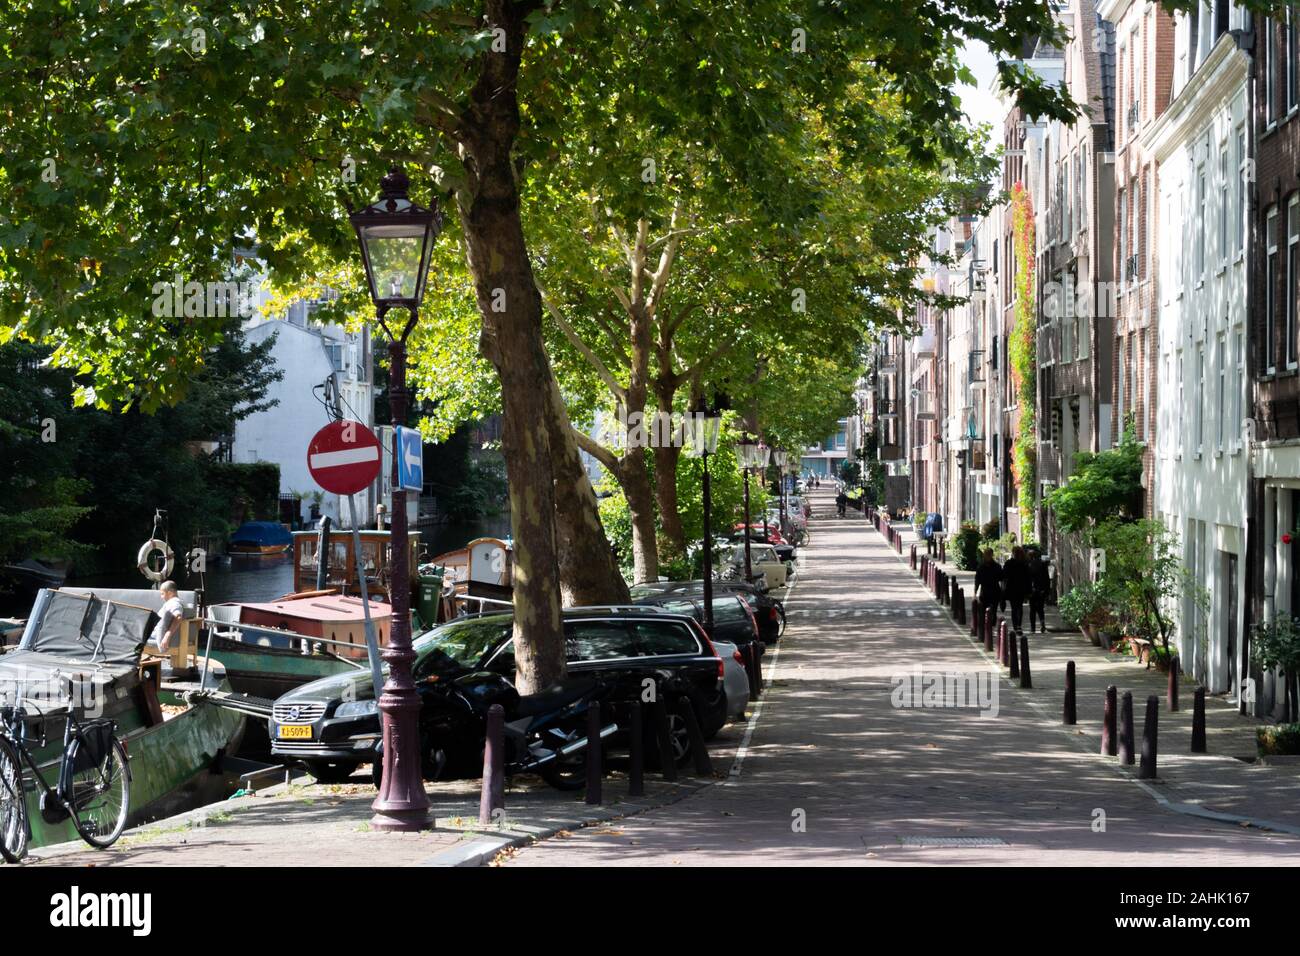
{"x":372,"y":645}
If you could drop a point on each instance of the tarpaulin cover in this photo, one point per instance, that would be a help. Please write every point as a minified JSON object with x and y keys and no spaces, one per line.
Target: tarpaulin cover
{"x":86,"y":629}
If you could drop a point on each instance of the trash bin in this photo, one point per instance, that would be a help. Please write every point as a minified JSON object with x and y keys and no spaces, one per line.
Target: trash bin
{"x":429,"y":594}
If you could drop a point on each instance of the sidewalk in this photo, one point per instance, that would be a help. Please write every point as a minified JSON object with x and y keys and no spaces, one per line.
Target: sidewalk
{"x":310,"y":824}
{"x":1226,"y":780}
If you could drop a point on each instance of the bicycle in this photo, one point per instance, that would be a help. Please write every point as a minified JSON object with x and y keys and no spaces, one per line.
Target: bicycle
{"x":93,"y":786}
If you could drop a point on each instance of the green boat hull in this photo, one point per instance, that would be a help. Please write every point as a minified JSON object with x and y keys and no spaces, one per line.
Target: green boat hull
{"x":270,"y":672}
{"x":174,"y":766}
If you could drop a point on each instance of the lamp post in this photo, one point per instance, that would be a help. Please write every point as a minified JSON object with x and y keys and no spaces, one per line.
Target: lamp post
{"x":396,"y":238}
{"x":752,"y":455}
{"x":779,"y":458}
{"x":707,"y":422}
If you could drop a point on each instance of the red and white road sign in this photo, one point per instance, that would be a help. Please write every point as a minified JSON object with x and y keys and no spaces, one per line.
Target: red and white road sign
{"x":343,"y":457}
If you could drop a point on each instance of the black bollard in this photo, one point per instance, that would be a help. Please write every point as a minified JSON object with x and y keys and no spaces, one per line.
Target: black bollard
{"x":1013,"y":655}
{"x":1025,"y":679}
{"x":1198,"y":721}
{"x":976,"y":621}
{"x":912,"y":559}
{"x":667,"y":763}
{"x":493,"y":795}
{"x":1126,"y":729}
{"x":1069,"y":711}
{"x":1147,"y":769}
{"x":943,"y":549}
{"x":750,"y":654}
{"x":988,"y":629}
{"x":1002,"y":642}
{"x":1173,"y":682}
{"x":700,"y":752}
{"x":1108,"y":742}
{"x":636,"y":751}
{"x":960,"y":603}
{"x":594,"y":754}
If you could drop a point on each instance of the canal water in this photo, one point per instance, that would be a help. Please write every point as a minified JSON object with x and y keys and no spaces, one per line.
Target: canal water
{"x":247,"y":577}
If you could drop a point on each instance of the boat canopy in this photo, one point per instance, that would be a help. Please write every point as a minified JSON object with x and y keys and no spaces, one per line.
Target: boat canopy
{"x":264,"y":534}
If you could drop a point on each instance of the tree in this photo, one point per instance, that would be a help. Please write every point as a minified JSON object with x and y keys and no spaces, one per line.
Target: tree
{"x":169,"y":133}
{"x":1105,"y":485}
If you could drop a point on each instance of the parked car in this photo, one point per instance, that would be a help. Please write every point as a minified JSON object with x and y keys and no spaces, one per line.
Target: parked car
{"x":763,"y":560}
{"x":772,"y":535}
{"x":332,"y":724}
{"x":768,"y":611}
{"x":733,"y":619}
{"x":735,"y":679}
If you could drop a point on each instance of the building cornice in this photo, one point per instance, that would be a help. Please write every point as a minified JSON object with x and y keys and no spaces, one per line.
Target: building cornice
{"x":1113,"y":10}
{"x":1219,"y":77}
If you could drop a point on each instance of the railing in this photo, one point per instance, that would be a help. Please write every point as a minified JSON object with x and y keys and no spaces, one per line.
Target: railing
{"x":886,"y":408}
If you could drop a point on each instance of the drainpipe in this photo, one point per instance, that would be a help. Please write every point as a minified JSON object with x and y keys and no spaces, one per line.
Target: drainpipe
{"x":1246,"y":43}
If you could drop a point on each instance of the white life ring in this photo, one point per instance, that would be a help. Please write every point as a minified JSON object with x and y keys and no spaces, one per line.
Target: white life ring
{"x":169,"y":559}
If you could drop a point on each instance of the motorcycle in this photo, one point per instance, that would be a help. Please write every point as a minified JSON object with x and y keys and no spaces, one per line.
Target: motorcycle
{"x":545,"y":733}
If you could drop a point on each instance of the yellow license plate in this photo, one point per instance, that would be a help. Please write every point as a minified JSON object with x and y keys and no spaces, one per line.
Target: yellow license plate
{"x":295,"y":732}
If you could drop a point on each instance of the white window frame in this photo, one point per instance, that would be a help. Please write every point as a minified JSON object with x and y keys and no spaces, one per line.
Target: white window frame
{"x":1199,"y":412}
{"x":1225,"y":196}
{"x":1292,"y":278}
{"x":1221,"y":397}
{"x":1270,"y":291}
{"x":1238,"y":386}
{"x":1240,"y":207}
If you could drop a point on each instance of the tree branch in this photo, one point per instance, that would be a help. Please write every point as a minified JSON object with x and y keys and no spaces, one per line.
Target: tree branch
{"x":596,"y":450}
{"x":576,"y":341}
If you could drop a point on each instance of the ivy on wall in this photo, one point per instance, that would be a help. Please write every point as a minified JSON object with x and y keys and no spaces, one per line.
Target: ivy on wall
{"x":1022,"y":354}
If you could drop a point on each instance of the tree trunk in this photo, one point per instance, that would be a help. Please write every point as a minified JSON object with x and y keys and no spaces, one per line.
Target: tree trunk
{"x":512,"y":341}
{"x":589,"y":573}
{"x":670,"y":516}
{"x":634,"y":478}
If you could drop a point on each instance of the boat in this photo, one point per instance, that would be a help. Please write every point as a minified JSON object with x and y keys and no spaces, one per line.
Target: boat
{"x":475,"y":576}
{"x":182,"y":746}
{"x":260,"y":537}
{"x":268,"y":648}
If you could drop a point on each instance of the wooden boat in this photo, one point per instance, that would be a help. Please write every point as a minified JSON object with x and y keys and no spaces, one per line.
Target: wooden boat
{"x":260,"y":537}
{"x":341,"y":565}
{"x":476,"y":575}
{"x":178,"y":743}
{"x":269,"y":648}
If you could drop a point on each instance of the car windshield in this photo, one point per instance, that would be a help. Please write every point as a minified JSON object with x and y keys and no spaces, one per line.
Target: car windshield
{"x":459,"y":644}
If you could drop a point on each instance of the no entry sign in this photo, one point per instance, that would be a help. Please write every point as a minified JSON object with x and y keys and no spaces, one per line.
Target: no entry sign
{"x":343,"y":457}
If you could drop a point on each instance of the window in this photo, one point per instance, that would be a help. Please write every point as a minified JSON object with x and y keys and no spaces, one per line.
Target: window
{"x":1123,"y":274}
{"x":1199,"y":413}
{"x":1138,"y":219}
{"x":597,"y":641}
{"x":1122,"y":382}
{"x":1292,"y":275}
{"x":1221,"y":396}
{"x":1202,"y":204}
{"x":1237,"y":385}
{"x":1291,"y":63}
{"x":1181,"y":411}
{"x":1083,"y":189}
{"x":1270,"y":71}
{"x":1066,"y":221}
{"x":1270,"y":293}
{"x":1240,"y":211}
{"x":668,"y":637}
{"x":1224,"y":180}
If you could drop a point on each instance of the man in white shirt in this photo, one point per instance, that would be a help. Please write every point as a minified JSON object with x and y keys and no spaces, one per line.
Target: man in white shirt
{"x":169,"y":616}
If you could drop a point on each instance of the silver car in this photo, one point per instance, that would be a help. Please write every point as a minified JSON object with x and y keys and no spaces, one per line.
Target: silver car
{"x":734,"y":679}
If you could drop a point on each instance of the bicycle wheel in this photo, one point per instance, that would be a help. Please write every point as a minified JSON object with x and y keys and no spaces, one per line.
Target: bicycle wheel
{"x":13,"y":805}
{"x":100,"y":797}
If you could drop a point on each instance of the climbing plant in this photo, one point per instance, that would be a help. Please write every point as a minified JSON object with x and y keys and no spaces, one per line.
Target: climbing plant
{"x":1022,"y":354}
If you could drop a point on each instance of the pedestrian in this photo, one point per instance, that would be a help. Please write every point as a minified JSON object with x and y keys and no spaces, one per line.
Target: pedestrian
{"x":169,"y":616}
{"x":988,"y":581}
{"x":1015,"y":585}
{"x":1040,"y":582}
{"x":841,"y":502}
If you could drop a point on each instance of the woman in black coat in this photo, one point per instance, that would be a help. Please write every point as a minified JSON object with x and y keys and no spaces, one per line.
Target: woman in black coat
{"x":988,"y":581}
{"x":1015,"y":585}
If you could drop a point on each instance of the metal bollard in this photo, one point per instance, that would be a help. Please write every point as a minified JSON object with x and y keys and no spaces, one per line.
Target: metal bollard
{"x":912,"y":559}
{"x":493,"y":796}
{"x":1026,"y":681}
{"x":959,"y":603}
{"x":976,"y":621}
{"x":667,"y":764}
{"x":1126,"y":729}
{"x":943,"y":549}
{"x":594,"y":753}
{"x":1108,"y":742}
{"x":1198,"y":721}
{"x":1013,"y":655}
{"x":988,"y":629}
{"x":699,"y":751}
{"x":751,"y":668}
{"x":1069,"y":711}
{"x":1174,"y":670}
{"x":1002,"y":641}
{"x":1147,"y":768}
{"x":636,"y":751}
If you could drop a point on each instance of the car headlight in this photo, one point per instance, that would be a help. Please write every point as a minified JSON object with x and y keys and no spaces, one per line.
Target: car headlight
{"x":357,"y":708}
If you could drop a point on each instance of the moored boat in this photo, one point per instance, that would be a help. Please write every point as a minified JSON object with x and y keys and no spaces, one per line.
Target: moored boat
{"x":260,"y":537}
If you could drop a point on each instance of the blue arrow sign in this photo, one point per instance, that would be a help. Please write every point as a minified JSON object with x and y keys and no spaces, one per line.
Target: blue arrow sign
{"x":410,"y":459}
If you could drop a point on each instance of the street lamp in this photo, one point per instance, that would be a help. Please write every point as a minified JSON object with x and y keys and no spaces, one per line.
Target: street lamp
{"x":396,"y":238}
{"x":752,"y":455}
{"x":706,"y":424}
{"x":779,"y":458}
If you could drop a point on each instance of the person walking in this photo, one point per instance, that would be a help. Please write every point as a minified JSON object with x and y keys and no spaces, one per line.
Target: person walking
{"x":988,"y":581}
{"x":1040,"y":582}
{"x":841,"y":502}
{"x":1015,"y":585}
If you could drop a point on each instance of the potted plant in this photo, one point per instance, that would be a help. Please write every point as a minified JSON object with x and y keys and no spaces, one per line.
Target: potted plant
{"x":1277,"y":645}
{"x":1087,"y":606}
